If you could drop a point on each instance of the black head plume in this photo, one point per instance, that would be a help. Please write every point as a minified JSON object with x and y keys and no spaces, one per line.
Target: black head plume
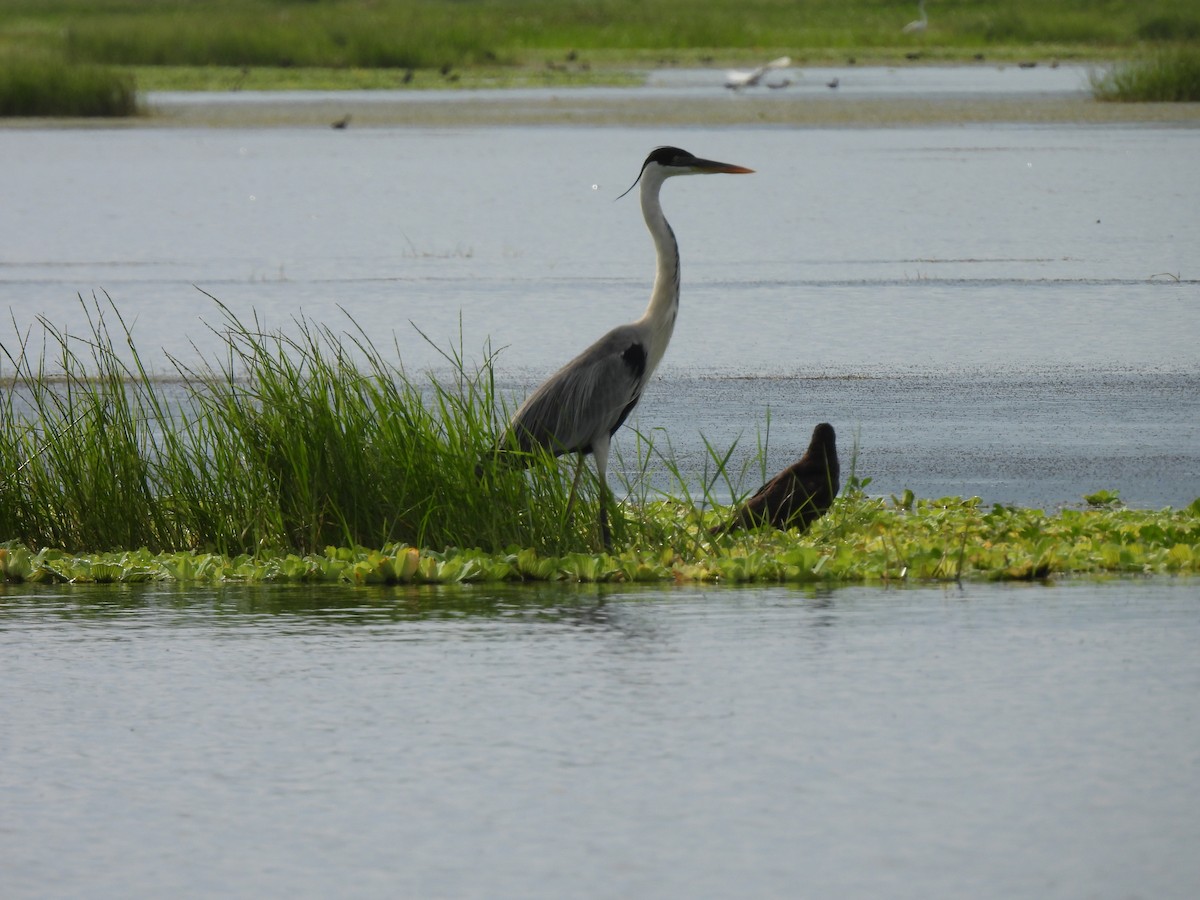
{"x":664,"y":156}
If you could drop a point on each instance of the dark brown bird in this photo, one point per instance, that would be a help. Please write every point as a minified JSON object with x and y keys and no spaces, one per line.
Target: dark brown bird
{"x":800,"y":494}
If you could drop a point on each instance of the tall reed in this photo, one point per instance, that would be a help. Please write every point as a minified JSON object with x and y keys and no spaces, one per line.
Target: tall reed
{"x":283,"y":442}
{"x":1168,"y":76}
{"x":37,"y":86}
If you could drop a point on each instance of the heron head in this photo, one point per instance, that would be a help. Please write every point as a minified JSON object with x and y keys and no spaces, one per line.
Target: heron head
{"x":668,"y":161}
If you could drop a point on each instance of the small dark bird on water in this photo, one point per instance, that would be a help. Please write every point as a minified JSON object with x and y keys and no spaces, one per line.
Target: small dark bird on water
{"x":340,"y":123}
{"x":800,"y":494}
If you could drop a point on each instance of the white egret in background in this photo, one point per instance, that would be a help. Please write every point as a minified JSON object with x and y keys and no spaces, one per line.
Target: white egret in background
{"x":917,"y":26}
{"x":738,"y":80}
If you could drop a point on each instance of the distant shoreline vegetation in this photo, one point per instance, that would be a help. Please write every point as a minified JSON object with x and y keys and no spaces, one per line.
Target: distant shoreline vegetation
{"x":1168,"y":76}
{"x":45,"y":87}
{"x":79,"y":57}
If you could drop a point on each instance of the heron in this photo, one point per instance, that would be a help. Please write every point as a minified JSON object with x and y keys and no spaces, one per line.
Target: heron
{"x":581,"y":406}
{"x":917,"y":26}
{"x":737,"y":80}
{"x":800,"y":494}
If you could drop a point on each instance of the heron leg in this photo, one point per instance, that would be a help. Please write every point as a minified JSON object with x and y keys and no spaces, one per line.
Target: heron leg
{"x":600,"y":451}
{"x":605,"y":534}
{"x":574,"y":487}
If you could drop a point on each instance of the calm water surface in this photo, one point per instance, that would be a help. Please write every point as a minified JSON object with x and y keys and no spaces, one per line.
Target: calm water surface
{"x":1003,"y":311}
{"x":995,"y":741}
{"x":850,"y":250}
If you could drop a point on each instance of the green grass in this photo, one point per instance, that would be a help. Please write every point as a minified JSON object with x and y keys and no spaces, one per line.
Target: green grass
{"x":34,"y":86}
{"x":429,"y":34}
{"x":1169,"y":76}
{"x":409,"y":35}
{"x":288,"y":456}
{"x":320,"y":78}
{"x":283,"y":443}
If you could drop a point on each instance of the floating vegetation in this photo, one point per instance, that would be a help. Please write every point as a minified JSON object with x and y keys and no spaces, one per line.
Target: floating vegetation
{"x":862,"y":540}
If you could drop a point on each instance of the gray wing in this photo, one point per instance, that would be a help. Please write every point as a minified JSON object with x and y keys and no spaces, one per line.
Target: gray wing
{"x":589,"y":396}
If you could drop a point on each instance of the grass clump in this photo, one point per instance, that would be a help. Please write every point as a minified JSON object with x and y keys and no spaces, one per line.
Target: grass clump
{"x":286,"y":443}
{"x":1169,"y":76}
{"x":50,"y":87}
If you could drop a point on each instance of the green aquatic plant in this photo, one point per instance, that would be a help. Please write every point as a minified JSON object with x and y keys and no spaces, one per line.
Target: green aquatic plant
{"x":862,"y":540}
{"x":286,"y":441}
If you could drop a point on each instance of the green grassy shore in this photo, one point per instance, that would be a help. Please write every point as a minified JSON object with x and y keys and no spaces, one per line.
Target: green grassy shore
{"x":313,"y":456}
{"x":91,"y":51}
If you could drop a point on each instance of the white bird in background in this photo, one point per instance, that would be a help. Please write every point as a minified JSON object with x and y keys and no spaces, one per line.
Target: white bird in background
{"x":737,"y":80}
{"x":917,"y":26}
{"x":583,"y":404}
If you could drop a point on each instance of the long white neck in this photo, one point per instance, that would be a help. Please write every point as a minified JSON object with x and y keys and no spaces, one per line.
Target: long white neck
{"x":664,"y":298}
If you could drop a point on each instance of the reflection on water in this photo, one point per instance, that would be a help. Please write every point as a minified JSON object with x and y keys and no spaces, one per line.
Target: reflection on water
{"x":292,"y":608}
{"x":680,"y":741}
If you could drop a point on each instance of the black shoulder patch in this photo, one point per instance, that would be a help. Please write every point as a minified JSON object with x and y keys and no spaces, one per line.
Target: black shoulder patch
{"x":635,"y":358}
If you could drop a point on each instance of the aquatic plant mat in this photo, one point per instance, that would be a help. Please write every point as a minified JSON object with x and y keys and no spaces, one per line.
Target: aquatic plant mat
{"x":309,"y":455}
{"x":862,"y":539}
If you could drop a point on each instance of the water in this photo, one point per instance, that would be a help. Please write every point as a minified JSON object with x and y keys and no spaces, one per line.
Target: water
{"x":921,"y":82}
{"x":1007,"y":311}
{"x":1002,"y":311}
{"x":906,"y":82}
{"x":994,"y":741}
